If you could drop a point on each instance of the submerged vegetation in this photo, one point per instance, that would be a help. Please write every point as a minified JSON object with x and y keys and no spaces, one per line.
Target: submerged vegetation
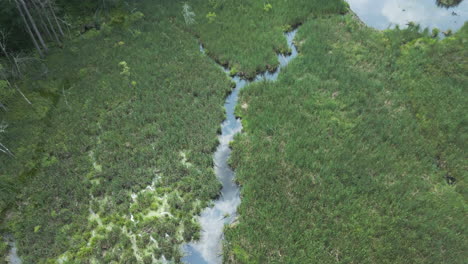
{"x":355,"y":155}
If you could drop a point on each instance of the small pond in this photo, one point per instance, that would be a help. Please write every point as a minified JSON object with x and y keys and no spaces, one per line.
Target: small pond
{"x":383,"y":14}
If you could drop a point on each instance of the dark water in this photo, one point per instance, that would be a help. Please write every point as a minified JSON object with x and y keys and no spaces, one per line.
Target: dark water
{"x":209,"y":248}
{"x":383,"y":14}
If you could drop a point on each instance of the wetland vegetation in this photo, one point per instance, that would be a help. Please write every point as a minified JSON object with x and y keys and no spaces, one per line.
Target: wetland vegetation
{"x":356,"y":154}
{"x":103,"y":151}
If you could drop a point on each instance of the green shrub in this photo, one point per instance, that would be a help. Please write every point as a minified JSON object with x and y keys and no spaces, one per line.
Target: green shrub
{"x":211,"y":16}
{"x":267,"y":7}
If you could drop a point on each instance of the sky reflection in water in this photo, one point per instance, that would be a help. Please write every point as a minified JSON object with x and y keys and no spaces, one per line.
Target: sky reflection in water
{"x":208,"y":249}
{"x":382,"y":14}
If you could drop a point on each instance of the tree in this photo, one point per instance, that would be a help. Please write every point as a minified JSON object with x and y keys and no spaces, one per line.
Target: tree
{"x":3,"y":45}
{"x":32,"y":22}
{"x":5,"y":91}
{"x":48,"y":7}
{"x":39,"y":20}
{"x":28,"y":28}
{"x":189,"y":15}
{"x":12,"y":25}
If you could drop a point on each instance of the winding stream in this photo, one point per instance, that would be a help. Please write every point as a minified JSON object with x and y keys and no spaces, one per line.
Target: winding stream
{"x":209,"y":248}
{"x":378,"y":14}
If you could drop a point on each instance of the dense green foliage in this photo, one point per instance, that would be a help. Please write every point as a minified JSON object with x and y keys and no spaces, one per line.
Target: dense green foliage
{"x":11,"y":23}
{"x":73,"y":15}
{"x":247,"y":34}
{"x":130,"y":106}
{"x":348,"y":157}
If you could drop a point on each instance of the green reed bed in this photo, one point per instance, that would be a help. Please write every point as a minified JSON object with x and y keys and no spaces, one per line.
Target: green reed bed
{"x":130,"y":106}
{"x":247,"y":34}
{"x":347,"y":157}
{"x":356,"y":154}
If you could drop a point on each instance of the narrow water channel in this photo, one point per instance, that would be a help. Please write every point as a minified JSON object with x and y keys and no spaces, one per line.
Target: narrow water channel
{"x":212,"y":220}
{"x":12,"y":257}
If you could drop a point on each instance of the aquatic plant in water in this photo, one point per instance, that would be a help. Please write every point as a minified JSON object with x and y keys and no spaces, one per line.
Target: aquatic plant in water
{"x":448,"y":3}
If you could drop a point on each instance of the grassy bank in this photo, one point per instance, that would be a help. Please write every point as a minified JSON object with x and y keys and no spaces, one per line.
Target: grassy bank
{"x":357,"y":153}
{"x":115,"y":153}
{"x":247,"y":35}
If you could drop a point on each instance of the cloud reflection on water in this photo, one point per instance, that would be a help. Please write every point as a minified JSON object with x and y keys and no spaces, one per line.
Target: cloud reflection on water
{"x":383,"y":14}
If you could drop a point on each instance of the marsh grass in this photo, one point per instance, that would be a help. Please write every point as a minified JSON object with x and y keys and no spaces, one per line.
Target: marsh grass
{"x":349,"y":157}
{"x":247,"y":36}
{"x":346,"y":157}
{"x":137,"y":94}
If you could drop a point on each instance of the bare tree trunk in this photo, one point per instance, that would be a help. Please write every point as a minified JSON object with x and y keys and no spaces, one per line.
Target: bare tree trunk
{"x":41,"y":18}
{"x":3,"y":42}
{"x":50,"y":23}
{"x":22,"y":94}
{"x":39,"y":50}
{"x":12,"y":63}
{"x":3,"y":106}
{"x":17,"y":66}
{"x":67,"y":26}
{"x":46,"y":29}
{"x":65,"y":96}
{"x":6,"y":150}
{"x":4,"y":51}
{"x":33,"y":24}
{"x":55,"y":17}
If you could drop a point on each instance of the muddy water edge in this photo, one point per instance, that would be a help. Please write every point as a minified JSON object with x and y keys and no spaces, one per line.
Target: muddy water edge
{"x":224,"y":210}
